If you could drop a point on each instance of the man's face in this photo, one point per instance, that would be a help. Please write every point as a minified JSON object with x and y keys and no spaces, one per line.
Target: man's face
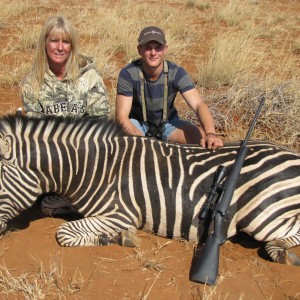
{"x":152,"y":54}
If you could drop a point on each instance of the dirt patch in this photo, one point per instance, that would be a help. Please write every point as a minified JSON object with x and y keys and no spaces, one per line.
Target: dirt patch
{"x":157,"y":270}
{"x":10,"y":99}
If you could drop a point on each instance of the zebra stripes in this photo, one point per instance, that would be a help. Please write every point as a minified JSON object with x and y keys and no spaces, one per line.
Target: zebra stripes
{"x":122,"y":183}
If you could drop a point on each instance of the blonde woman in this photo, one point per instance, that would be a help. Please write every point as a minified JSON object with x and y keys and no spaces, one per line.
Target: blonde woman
{"x":62,"y":81}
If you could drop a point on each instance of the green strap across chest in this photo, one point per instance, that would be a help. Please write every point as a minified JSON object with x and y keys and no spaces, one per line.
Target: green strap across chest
{"x":165,"y":98}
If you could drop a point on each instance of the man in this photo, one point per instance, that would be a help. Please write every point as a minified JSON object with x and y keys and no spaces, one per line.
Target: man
{"x":146,"y":92}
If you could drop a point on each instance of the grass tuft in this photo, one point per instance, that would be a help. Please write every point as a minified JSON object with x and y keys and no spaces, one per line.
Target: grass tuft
{"x":41,"y":283}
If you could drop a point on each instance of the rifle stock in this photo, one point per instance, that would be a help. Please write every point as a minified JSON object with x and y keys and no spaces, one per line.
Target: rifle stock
{"x":205,"y":262}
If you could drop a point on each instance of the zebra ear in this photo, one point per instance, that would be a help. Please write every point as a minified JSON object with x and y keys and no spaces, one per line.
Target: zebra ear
{"x":5,"y":146}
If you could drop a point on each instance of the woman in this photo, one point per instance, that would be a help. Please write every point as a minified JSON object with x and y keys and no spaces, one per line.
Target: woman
{"x":62,"y":81}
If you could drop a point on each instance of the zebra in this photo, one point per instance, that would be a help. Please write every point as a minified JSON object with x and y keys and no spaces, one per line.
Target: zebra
{"x":119,"y":184}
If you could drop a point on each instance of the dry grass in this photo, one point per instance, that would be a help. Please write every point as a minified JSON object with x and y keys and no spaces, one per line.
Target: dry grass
{"x":233,"y":57}
{"x":235,"y":12}
{"x":41,"y":283}
{"x":277,"y":120}
{"x":153,"y":260}
{"x":140,"y":260}
{"x":199,"y":4}
{"x":8,"y":9}
{"x":234,"y":50}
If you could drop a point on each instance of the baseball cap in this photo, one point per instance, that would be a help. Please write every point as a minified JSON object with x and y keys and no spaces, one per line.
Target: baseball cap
{"x":152,"y":33}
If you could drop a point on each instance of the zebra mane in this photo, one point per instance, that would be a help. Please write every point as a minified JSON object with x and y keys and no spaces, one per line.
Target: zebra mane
{"x":13,"y":123}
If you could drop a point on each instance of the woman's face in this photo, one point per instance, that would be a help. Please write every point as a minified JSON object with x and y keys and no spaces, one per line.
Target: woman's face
{"x":58,"y":49}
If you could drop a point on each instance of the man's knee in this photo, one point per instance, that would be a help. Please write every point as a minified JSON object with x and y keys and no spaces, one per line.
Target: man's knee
{"x":188,"y":134}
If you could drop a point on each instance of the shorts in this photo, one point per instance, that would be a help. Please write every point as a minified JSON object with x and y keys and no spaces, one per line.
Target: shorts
{"x":170,"y":126}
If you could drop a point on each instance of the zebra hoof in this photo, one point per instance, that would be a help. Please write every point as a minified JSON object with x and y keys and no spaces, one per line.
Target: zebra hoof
{"x":128,"y":239}
{"x":288,"y":258}
{"x":281,"y":257}
{"x":3,"y":227}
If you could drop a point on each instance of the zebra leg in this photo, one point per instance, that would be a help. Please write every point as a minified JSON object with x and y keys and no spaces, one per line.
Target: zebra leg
{"x":278,"y":250}
{"x":95,"y":231}
{"x":53,"y":205}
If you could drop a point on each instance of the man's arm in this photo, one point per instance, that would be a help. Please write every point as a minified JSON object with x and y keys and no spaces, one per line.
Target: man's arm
{"x":122,"y":110}
{"x":197,"y":104}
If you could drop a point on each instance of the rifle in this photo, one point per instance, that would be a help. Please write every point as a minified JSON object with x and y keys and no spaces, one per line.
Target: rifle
{"x":205,"y":262}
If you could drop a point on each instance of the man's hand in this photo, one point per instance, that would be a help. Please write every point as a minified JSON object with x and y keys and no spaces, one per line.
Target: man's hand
{"x":212,"y":141}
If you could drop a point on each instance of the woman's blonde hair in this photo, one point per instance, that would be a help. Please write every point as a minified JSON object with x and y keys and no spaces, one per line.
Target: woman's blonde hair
{"x":40,"y":67}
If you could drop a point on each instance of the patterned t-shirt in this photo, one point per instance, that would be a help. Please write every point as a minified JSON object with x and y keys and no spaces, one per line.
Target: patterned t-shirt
{"x":129,"y":84}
